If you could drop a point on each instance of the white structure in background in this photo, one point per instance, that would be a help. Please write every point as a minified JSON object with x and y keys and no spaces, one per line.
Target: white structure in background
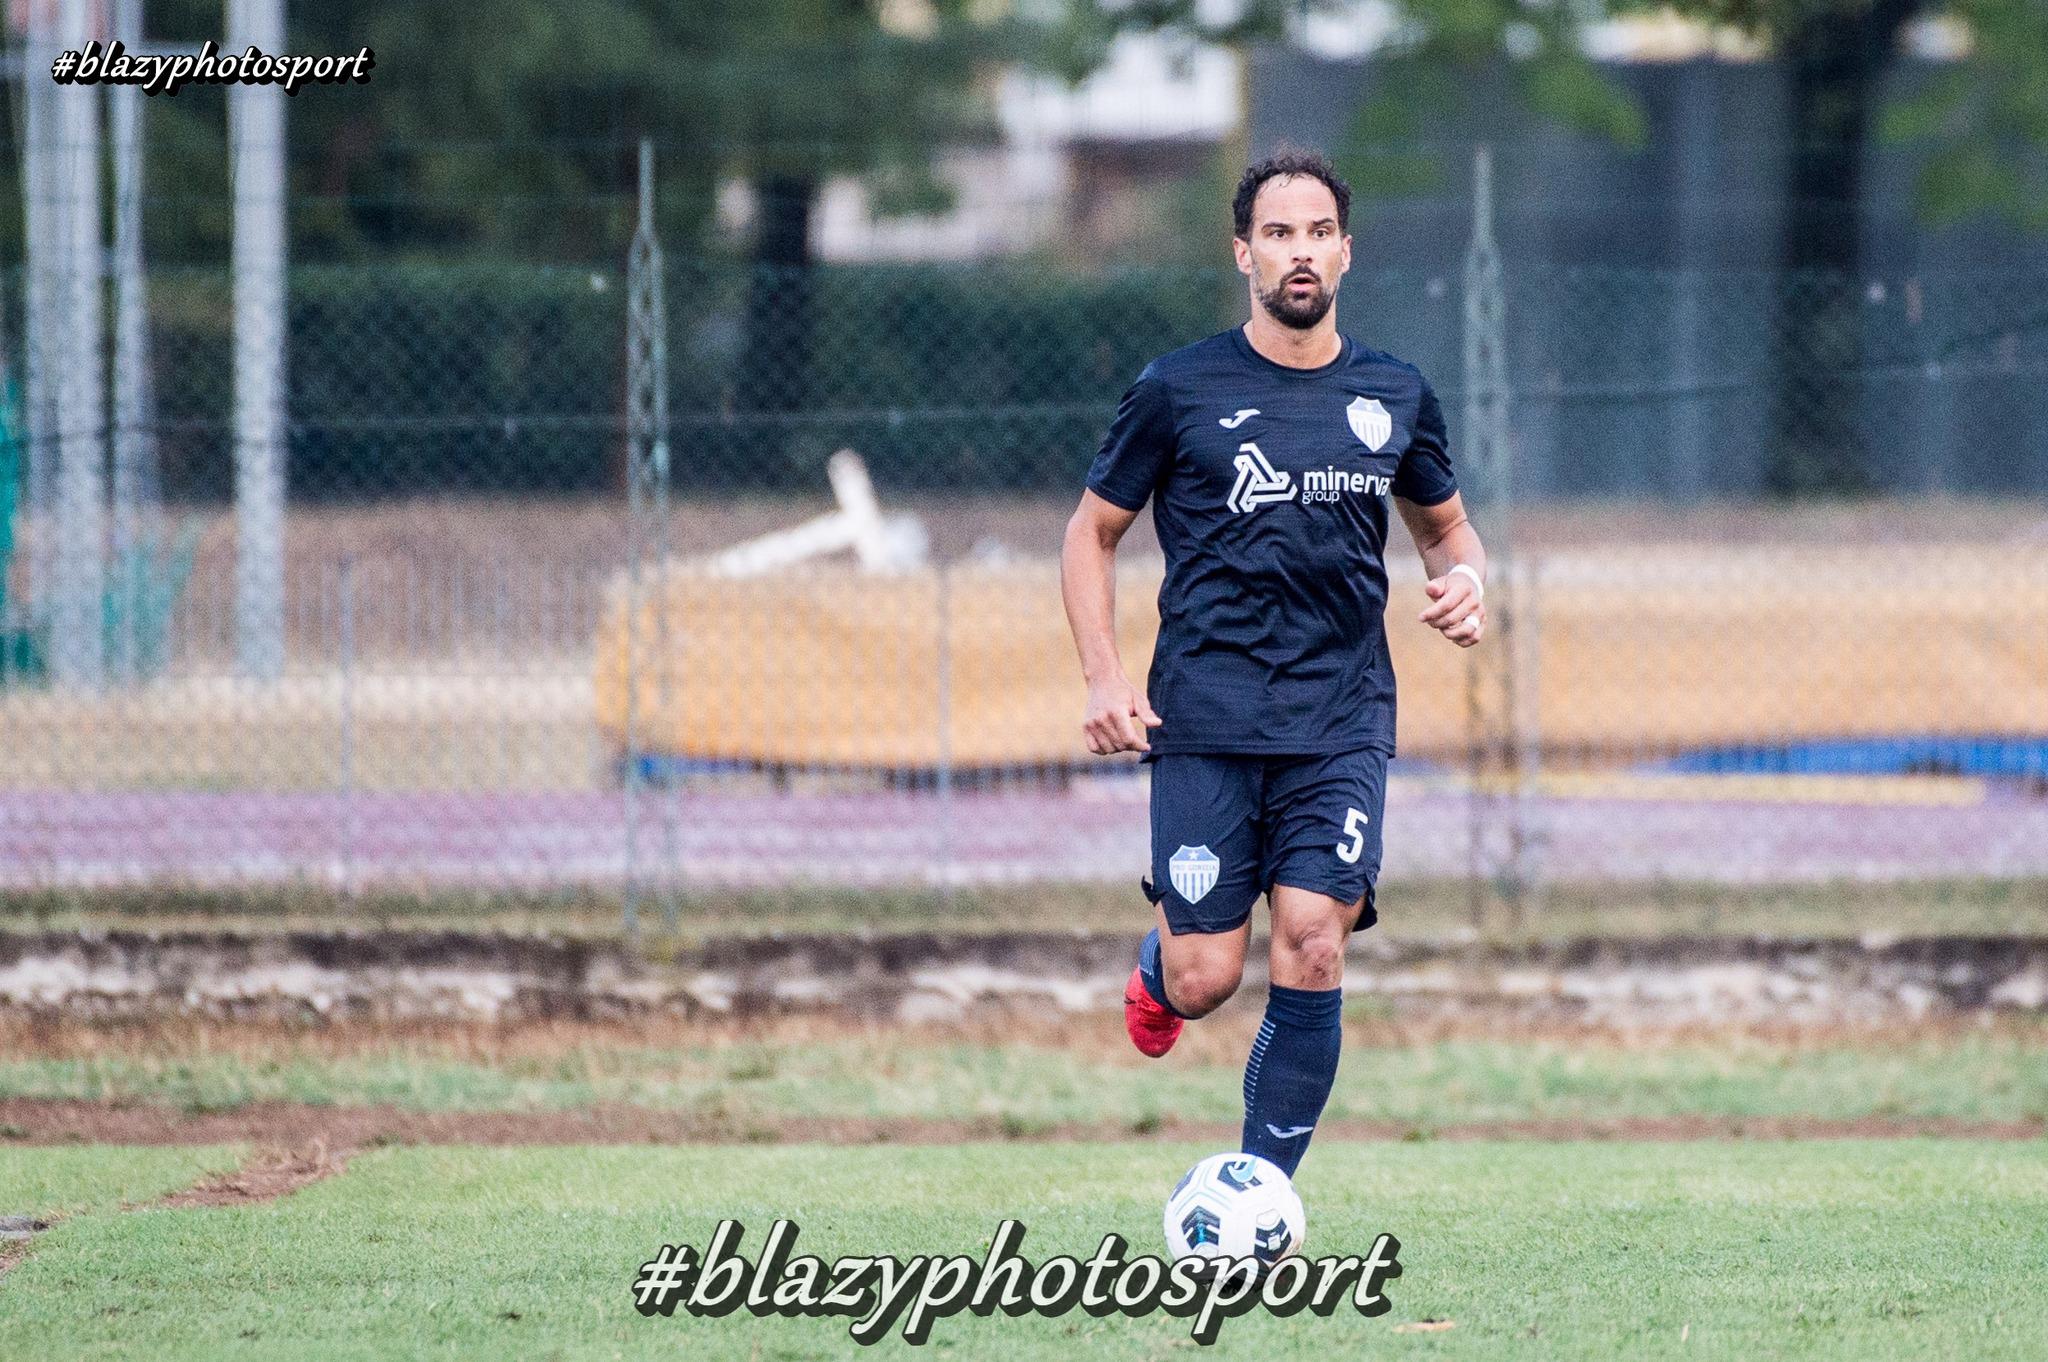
{"x":67,"y":359}
{"x":880,"y":543}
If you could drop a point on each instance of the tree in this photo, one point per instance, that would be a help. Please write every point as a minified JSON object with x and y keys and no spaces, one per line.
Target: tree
{"x":1836,"y":53}
{"x":801,"y":90}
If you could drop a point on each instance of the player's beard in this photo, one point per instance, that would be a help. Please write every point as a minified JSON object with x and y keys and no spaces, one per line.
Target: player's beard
{"x":1299,"y":313}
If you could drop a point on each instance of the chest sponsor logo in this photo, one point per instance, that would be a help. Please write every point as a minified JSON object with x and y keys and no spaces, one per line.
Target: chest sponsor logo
{"x":1369,"y":422}
{"x":1258,"y":482}
{"x":1331,"y":483}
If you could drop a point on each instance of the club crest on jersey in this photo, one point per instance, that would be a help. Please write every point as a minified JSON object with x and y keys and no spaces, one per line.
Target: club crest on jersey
{"x":1369,"y":422}
{"x":1193,"y":871}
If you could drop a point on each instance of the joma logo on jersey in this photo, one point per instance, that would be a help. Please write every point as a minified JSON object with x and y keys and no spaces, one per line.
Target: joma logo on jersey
{"x":1327,"y":484}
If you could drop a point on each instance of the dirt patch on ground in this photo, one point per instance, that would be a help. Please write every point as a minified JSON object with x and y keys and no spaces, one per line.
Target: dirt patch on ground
{"x":319,"y":1137}
{"x":266,"y":1175}
{"x":15,"y":1233}
{"x":271,"y":1172}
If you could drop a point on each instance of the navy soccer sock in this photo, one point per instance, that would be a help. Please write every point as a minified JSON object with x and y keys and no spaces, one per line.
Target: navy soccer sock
{"x":1152,"y":973}
{"x":1292,"y":1067}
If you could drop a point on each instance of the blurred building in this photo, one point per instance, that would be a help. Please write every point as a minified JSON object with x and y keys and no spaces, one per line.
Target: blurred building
{"x":1083,"y":172}
{"x":1073,"y":169}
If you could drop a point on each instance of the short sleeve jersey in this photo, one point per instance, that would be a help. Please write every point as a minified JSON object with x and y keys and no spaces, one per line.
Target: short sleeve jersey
{"x":1269,"y":489}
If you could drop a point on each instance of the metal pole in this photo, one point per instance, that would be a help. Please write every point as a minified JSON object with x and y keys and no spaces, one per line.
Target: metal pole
{"x":945,"y":780}
{"x":346,"y":587}
{"x":256,"y":129}
{"x":647,"y":484}
{"x":1527,"y":603}
{"x":77,"y":642}
{"x":44,"y":316}
{"x":1494,"y":752}
{"x":134,"y":481}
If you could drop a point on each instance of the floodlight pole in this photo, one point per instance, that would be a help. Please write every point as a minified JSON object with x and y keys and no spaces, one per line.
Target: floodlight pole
{"x":256,"y":132}
{"x":77,"y":643}
{"x":135,"y":489}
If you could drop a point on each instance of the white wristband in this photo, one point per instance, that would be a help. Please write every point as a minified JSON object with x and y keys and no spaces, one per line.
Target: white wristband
{"x":1472,"y":572}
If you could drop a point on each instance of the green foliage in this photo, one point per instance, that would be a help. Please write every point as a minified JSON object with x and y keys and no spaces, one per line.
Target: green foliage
{"x":507,"y":129}
{"x":945,"y":379}
{"x":489,"y":377}
{"x":1986,"y":126}
{"x":406,"y":378}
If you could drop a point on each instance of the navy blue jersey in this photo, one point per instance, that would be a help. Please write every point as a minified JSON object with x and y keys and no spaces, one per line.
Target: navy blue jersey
{"x":1269,"y":489}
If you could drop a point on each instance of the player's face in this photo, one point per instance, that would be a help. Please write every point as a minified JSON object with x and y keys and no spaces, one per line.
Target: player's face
{"x":1297,"y":252}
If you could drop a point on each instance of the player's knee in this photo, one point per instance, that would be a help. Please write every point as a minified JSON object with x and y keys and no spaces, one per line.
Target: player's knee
{"x":1316,"y":953}
{"x":1202,"y":986}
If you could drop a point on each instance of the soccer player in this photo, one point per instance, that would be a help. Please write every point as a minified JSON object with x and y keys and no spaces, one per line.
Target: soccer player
{"x":1268,"y":452}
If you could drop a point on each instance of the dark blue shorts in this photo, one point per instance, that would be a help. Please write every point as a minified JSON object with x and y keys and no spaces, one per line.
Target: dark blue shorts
{"x":1226,"y":828}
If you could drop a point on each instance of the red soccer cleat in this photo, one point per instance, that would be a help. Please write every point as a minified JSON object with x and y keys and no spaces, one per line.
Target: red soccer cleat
{"x":1152,"y":1028}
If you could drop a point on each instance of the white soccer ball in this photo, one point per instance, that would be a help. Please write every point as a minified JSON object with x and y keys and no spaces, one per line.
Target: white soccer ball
{"x":1235,"y":1206}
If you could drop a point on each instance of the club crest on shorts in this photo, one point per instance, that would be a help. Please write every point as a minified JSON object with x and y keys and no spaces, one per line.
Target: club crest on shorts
{"x":1369,"y":421}
{"x":1193,"y":871}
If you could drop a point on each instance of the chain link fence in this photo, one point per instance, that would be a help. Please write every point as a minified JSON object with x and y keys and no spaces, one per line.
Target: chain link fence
{"x":1777,"y":602}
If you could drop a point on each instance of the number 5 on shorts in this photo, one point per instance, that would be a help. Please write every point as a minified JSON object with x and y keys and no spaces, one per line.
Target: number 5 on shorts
{"x":1353,"y":844}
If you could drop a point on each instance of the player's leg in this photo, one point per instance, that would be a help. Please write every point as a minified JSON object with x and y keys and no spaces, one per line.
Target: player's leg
{"x":1206,"y":874}
{"x":1324,"y":861}
{"x":1192,"y":971}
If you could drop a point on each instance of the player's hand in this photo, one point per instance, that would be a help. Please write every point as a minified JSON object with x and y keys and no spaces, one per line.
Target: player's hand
{"x":1118,"y":715}
{"x":1456,"y":611}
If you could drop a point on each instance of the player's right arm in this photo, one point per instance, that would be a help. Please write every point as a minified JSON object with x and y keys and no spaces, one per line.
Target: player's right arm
{"x":1118,"y":712}
{"x":1127,"y":469}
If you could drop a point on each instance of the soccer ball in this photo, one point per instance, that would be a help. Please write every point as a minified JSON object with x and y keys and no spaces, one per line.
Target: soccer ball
{"x":1235,"y":1206}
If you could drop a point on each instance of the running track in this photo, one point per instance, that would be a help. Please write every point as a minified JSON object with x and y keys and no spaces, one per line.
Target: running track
{"x":545,"y":840}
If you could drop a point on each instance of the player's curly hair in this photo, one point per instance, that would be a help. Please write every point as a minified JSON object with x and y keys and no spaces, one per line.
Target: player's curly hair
{"x":1288,"y":161}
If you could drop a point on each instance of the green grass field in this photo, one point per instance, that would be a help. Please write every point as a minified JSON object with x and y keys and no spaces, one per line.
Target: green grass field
{"x":1554,"y":1247}
{"x":1872,"y":1250}
{"x":1080,"y":1074}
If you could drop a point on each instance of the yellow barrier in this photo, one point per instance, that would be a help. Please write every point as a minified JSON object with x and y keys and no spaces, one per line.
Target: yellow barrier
{"x":832,"y":667}
{"x":1650,"y":647}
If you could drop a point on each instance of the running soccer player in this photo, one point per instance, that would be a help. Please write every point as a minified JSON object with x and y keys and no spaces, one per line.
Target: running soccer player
{"x":1268,"y":452}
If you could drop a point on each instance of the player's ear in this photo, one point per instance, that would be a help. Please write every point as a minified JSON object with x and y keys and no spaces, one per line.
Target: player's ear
{"x":1346,"y":267}
{"x":1243,"y":251}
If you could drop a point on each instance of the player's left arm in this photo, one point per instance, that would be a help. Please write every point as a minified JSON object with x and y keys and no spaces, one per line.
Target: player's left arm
{"x":1455,"y":561}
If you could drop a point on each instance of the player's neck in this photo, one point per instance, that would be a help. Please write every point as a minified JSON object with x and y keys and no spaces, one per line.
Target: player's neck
{"x":1310,"y":349}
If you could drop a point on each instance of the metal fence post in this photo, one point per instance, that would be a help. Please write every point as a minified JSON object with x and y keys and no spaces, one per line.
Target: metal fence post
{"x":1493,"y":749}
{"x":945,"y":716}
{"x":346,"y":589}
{"x":647,"y":481}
